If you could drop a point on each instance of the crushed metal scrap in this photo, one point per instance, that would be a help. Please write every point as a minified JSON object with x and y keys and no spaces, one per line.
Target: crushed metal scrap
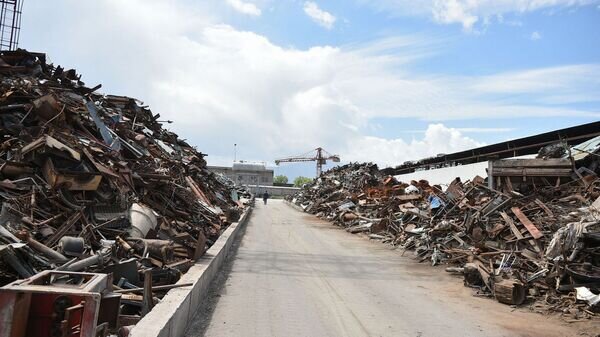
{"x":97,"y":199}
{"x":527,"y":235}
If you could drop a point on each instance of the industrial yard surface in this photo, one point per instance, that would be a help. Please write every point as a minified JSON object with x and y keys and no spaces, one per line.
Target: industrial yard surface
{"x":296,"y":275}
{"x":305,"y":168}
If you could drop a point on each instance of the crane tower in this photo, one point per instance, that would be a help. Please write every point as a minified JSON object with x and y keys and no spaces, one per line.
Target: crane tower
{"x":10,"y":23}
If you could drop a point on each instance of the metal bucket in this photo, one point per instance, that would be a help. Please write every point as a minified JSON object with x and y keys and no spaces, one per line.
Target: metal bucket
{"x":142,"y":220}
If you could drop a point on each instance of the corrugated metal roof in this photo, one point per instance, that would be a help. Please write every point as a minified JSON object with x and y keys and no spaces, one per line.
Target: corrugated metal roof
{"x":584,"y":149}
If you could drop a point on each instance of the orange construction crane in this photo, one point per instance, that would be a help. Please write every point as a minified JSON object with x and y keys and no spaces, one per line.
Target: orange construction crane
{"x":319,"y":155}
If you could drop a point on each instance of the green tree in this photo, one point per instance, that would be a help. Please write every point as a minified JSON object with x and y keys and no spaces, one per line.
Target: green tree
{"x":280,"y":179}
{"x":299,"y":181}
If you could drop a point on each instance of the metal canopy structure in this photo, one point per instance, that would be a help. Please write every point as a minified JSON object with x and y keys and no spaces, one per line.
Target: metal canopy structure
{"x":512,"y":148}
{"x":319,"y":155}
{"x":10,"y":23}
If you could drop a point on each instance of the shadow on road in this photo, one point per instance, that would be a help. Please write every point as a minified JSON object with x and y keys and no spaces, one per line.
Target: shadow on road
{"x":204,"y":315}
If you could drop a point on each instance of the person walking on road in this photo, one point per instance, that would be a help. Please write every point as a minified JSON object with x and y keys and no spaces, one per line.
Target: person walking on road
{"x":265,"y":197}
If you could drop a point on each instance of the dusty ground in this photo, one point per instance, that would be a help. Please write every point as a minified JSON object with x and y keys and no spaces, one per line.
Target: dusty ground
{"x":295,"y":275}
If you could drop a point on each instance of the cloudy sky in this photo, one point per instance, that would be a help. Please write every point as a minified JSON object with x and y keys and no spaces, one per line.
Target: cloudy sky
{"x":371,"y":80}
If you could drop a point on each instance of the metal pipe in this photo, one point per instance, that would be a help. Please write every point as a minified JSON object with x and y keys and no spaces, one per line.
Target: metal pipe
{"x":85,"y":263}
{"x":42,"y":248}
{"x":156,"y":288}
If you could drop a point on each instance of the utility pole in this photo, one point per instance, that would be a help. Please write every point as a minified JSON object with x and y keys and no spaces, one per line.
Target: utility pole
{"x":233,"y":175}
{"x":234,"y":152}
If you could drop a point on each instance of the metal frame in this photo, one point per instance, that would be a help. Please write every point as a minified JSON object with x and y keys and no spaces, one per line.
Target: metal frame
{"x":320,"y":156}
{"x":10,"y":23}
{"x":509,"y":149}
{"x":19,"y":298}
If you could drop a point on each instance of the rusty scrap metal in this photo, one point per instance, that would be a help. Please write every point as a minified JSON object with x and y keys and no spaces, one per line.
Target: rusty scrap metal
{"x":93,"y":183}
{"x":530,"y":243}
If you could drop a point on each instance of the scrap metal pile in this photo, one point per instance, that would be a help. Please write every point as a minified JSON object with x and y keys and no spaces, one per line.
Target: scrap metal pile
{"x":93,"y":183}
{"x":541,"y":247}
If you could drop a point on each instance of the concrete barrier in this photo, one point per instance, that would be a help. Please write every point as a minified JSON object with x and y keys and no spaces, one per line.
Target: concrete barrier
{"x":170,"y":317}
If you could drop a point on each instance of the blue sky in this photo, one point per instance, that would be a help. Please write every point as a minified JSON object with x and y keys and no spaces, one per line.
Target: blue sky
{"x":381,"y":80}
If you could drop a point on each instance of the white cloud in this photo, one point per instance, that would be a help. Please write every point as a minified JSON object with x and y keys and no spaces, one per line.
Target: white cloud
{"x":245,"y":7}
{"x":453,"y":11}
{"x":544,"y":82}
{"x":535,"y":36}
{"x":318,"y":15}
{"x":469,"y":12}
{"x":222,"y":85}
{"x":485,"y":130}
{"x":390,"y":152}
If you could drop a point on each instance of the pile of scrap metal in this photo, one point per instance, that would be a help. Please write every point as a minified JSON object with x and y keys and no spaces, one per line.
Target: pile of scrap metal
{"x":238,"y":191}
{"x":541,"y":247}
{"x":92,"y":186}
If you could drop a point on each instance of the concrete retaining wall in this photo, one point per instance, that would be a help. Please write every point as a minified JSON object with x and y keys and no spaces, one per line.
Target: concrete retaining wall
{"x":171,"y":316}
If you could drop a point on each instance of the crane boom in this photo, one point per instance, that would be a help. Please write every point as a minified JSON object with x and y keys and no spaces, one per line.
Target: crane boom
{"x":319,"y":155}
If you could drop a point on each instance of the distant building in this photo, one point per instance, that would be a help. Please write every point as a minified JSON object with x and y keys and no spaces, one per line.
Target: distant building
{"x":246,"y":173}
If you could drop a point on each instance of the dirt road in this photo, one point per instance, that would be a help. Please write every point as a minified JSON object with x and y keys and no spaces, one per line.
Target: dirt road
{"x":295,"y":275}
